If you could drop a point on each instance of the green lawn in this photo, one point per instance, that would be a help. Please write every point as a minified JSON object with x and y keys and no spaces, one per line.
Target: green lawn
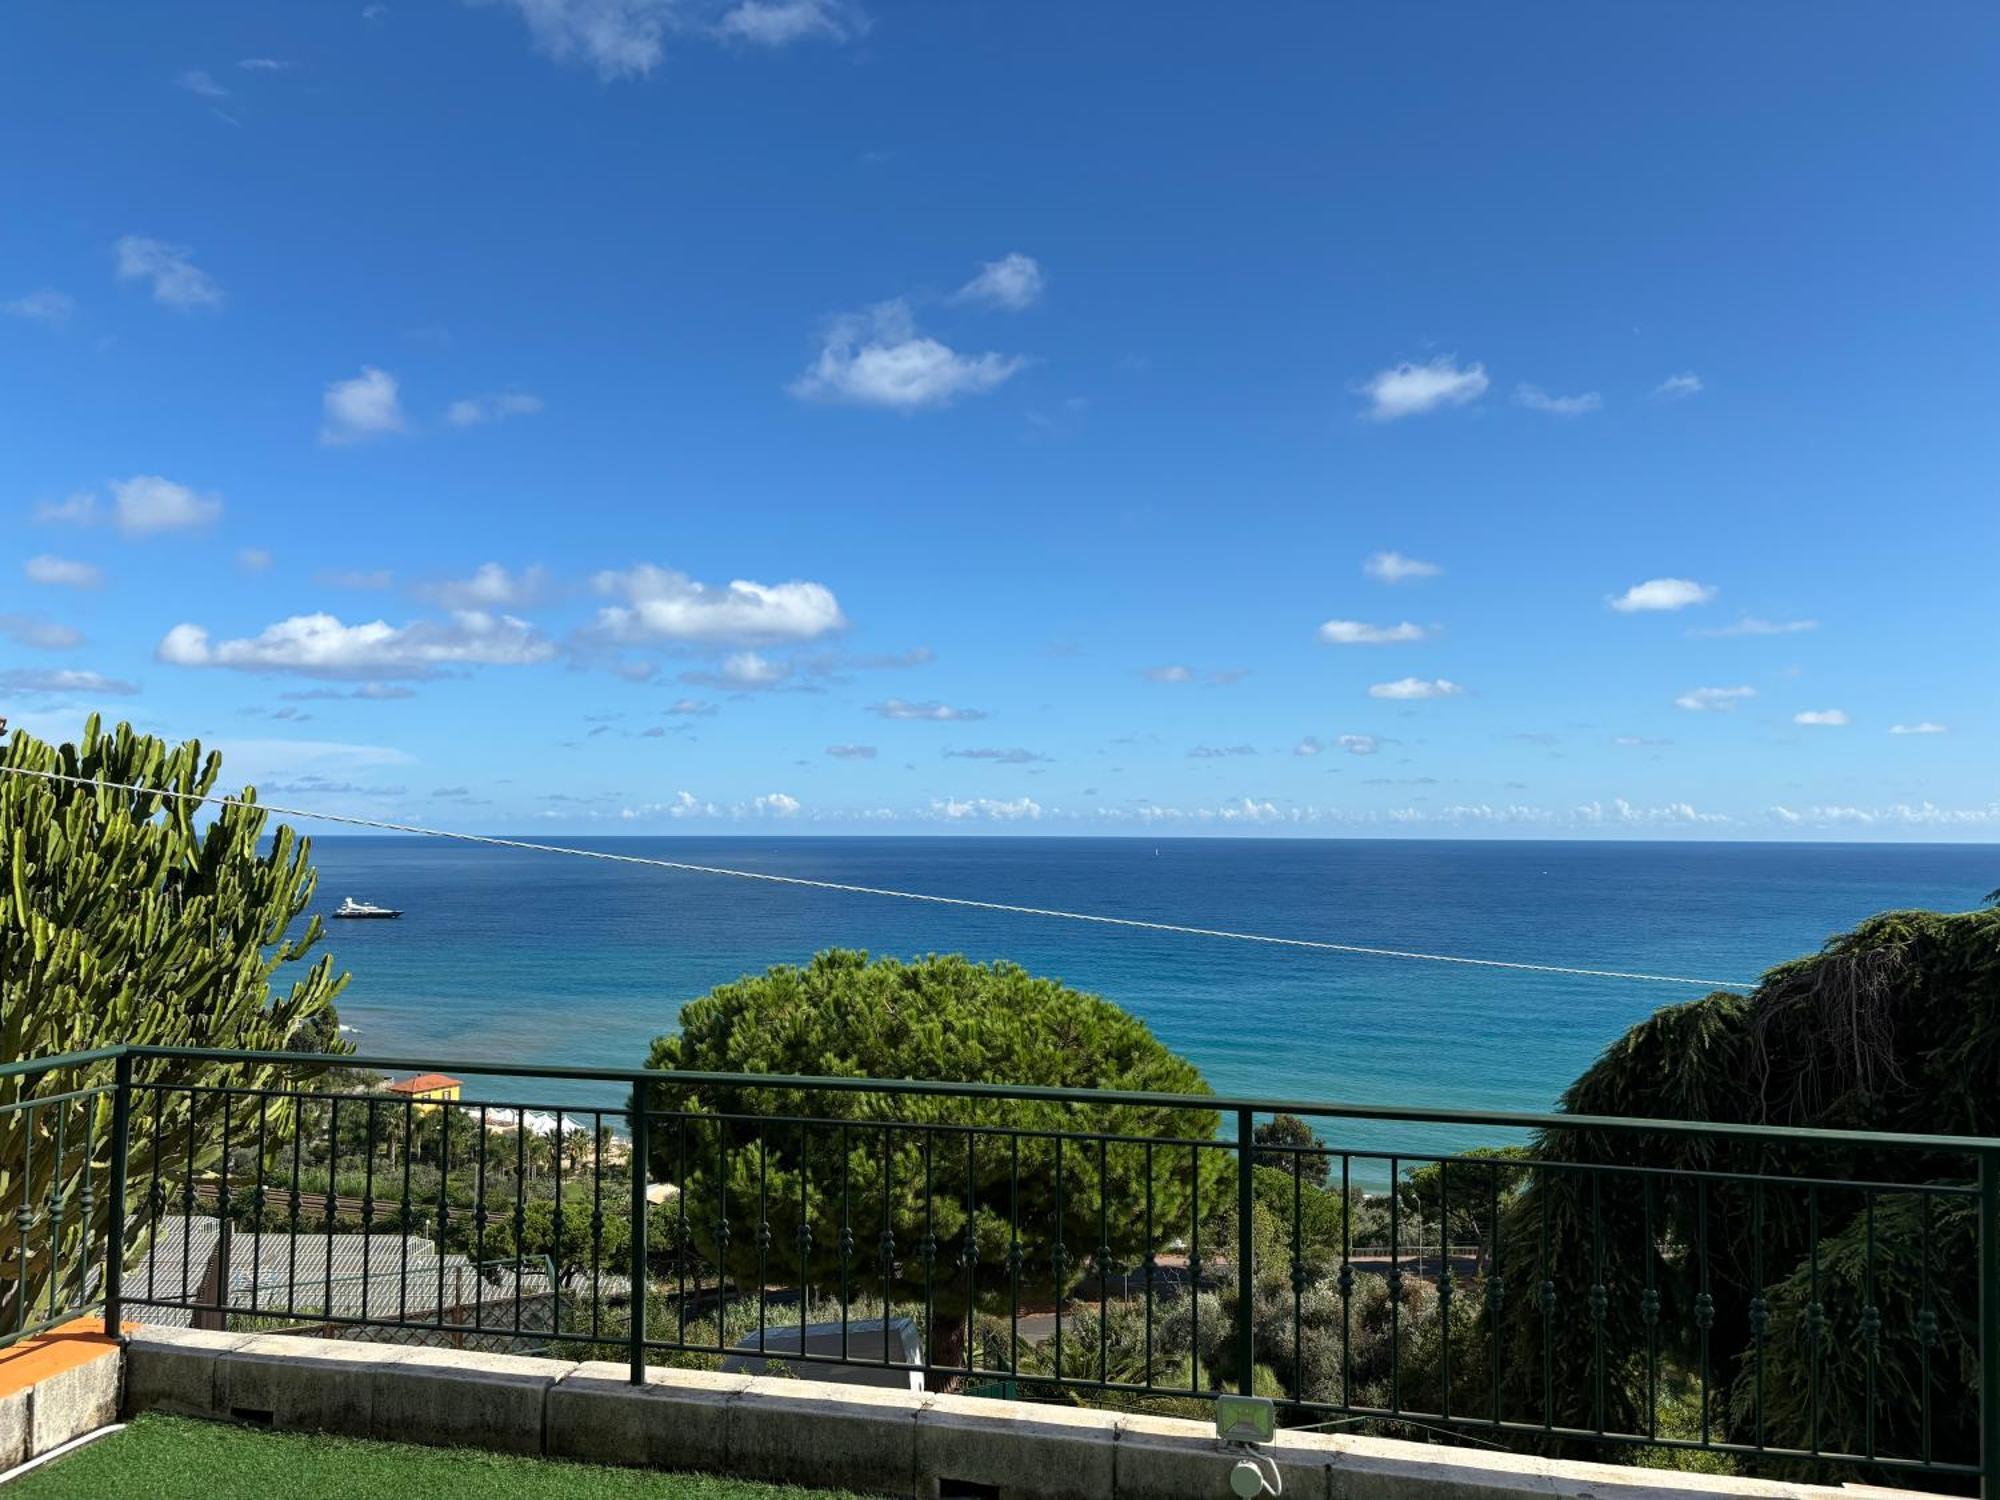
{"x":170,"y":1458}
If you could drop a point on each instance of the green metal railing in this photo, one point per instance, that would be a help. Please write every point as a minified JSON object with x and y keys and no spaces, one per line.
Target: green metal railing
{"x":1798,"y":1300}
{"x":59,"y":1186}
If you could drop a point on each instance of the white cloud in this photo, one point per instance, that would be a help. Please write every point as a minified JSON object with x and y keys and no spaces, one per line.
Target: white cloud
{"x":63,"y":572}
{"x":888,"y":661}
{"x":1831,"y":718}
{"x":78,"y":508}
{"x":472,"y":411}
{"x":932,"y":712}
{"x":1661,"y":594}
{"x":1014,"y":755}
{"x":1355,"y":633}
{"x":1678,"y":387}
{"x":1409,"y":390}
{"x":1714,"y":699}
{"x":627,"y":38}
{"x":1923,"y":726}
{"x":684,"y":805}
{"x":253,"y":559}
{"x":266,"y":65}
{"x":1019,"y":810}
{"x":44,"y":306}
{"x":491,"y":586}
{"x":1534,"y":398}
{"x":851,"y":752}
{"x":378,"y":692}
{"x":40,"y":633}
{"x":1353,"y":744}
{"x":1752,"y":625}
{"x":1413,"y":688}
{"x":198,"y":82}
{"x":177,"y":281}
{"x":1598,"y":815}
{"x":665,"y":605}
{"x":141,"y":506}
{"x":1179,"y":672}
{"x":747,"y":669}
{"x":1621,"y":811}
{"x":1919,"y":815}
{"x":1013,"y":282}
{"x":778,"y":23}
{"x":319,"y":645}
{"x":1476,"y":812}
{"x":775,"y":805}
{"x":361,"y":408}
{"x":1245,"y":810}
{"x":878,"y":358}
{"x":1394,"y":567}
{"x":146,"y":503}
{"x":65,"y":680}
{"x":618,"y":38}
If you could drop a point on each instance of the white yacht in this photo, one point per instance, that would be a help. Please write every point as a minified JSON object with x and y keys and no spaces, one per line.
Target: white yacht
{"x":349,"y":907}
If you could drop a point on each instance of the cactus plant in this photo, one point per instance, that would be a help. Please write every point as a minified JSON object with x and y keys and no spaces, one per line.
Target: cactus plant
{"x":132,"y":917}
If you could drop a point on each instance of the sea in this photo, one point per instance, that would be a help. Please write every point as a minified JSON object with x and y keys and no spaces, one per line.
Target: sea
{"x":543,"y":959}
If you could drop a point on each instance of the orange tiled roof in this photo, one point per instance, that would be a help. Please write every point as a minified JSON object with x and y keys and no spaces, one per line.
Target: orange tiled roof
{"x":423,"y":1083}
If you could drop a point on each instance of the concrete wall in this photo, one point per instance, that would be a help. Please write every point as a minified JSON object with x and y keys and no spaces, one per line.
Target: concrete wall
{"x":886,"y":1442}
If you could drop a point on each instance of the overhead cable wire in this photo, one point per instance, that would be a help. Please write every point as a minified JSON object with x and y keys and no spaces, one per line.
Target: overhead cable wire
{"x":843,"y":887}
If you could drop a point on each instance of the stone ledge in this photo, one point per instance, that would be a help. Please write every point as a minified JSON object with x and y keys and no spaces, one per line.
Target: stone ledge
{"x":175,"y":1370}
{"x":1024,"y":1450}
{"x":55,"y":1386}
{"x":595,"y":1414}
{"x":818,"y":1433}
{"x":13,"y":1429}
{"x":310,"y":1385}
{"x":451,"y":1398}
{"x":883,"y":1441}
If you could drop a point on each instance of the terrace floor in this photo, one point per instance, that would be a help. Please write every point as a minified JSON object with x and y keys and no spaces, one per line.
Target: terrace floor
{"x":173,"y":1458}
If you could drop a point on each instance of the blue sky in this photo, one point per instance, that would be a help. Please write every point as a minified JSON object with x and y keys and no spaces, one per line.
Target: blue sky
{"x":781,"y":415}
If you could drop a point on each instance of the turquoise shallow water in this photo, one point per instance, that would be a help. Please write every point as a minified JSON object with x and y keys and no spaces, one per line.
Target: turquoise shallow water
{"x":530,"y":958}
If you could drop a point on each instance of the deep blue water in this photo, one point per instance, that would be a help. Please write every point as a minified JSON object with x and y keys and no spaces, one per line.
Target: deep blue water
{"x":532,"y":958}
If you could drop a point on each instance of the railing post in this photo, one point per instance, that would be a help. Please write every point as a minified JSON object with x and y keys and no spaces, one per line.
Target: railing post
{"x":1246,"y":1281}
{"x":114,"y":1246}
{"x":636,"y":1298}
{"x":1988,"y":1252}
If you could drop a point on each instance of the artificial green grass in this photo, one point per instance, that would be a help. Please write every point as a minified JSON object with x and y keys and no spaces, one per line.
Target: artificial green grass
{"x":171,"y":1458}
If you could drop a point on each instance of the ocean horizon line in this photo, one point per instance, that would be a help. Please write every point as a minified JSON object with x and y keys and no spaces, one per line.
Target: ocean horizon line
{"x":999,"y":836}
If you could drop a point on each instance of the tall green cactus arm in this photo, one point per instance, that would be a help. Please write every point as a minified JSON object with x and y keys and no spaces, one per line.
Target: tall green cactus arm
{"x":137,"y":916}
